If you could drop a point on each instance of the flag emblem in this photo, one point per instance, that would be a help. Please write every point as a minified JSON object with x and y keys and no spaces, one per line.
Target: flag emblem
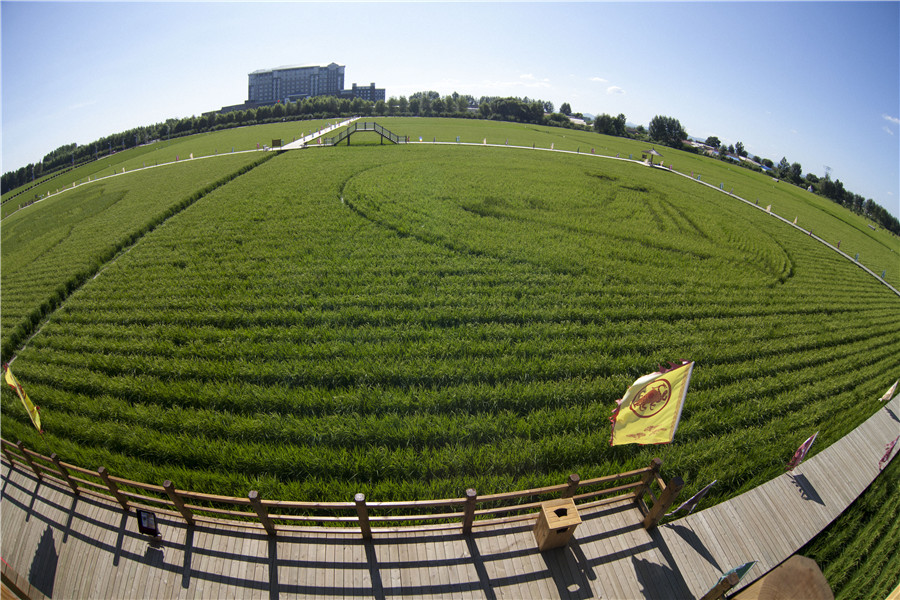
{"x":652,"y":399}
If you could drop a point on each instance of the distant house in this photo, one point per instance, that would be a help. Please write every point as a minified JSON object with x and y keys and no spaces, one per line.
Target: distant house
{"x":577,"y":121}
{"x":698,"y":145}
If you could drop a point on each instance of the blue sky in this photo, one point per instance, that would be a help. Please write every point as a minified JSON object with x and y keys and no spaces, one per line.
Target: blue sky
{"x":818,"y":83}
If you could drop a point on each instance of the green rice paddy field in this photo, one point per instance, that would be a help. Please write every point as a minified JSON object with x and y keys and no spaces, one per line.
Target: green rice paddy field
{"x":410,"y":321}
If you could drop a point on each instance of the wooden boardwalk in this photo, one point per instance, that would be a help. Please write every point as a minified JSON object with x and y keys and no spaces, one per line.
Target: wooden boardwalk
{"x":57,"y":545}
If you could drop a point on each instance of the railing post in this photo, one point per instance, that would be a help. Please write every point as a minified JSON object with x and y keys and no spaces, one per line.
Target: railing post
{"x":469,"y":516}
{"x":178,"y":502}
{"x":65,"y":473}
{"x":666,"y":499}
{"x":724,"y":584}
{"x":573,"y":482}
{"x":9,"y":456}
{"x":104,"y":475}
{"x":21,"y":447}
{"x":363,"y":514}
{"x":647,"y":478}
{"x":261,"y":512}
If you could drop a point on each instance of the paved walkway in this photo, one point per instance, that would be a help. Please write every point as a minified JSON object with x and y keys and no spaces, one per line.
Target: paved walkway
{"x":59,"y":545}
{"x":298,"y":144}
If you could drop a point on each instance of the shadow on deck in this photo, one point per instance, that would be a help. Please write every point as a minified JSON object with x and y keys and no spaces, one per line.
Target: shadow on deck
{"x":90,"y":547}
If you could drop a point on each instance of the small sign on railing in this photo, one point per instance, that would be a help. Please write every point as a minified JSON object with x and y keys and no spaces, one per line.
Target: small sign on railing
{"x":147,"y":523}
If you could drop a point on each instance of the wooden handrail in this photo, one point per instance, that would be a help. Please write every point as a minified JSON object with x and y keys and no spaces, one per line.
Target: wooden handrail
{"x":293,"y":504}
{"x":87,"y":483}
{"x":391,"y":504}
{"x":607,"y":492}
{"x":136,"y":484}
{"x":78,"y":469}
{"x":220,"y":511}
{"x":192,"y":506}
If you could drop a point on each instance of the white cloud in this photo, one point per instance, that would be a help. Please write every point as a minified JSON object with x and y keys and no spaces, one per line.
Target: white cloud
{"x":888,"y":130}
{"x":891,"y":119}
{"x":614,"y":90}
{"x":599,"y":80}
{"x":529,"y":80}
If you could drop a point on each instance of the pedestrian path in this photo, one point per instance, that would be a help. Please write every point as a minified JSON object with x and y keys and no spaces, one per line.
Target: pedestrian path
{"x":302,"y":142}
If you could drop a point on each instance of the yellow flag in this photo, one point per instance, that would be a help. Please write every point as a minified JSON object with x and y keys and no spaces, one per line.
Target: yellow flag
{"x":650,"y":410}
{"x":31,"y":408}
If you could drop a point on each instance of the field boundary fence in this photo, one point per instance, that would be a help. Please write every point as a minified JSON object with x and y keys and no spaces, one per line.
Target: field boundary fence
{"x":359,"y":515}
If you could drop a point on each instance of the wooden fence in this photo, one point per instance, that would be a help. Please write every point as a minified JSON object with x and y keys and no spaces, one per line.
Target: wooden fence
{"x":360,"y":515}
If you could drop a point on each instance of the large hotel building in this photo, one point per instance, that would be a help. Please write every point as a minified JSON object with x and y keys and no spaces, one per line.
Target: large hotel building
{"x":289,"y":84}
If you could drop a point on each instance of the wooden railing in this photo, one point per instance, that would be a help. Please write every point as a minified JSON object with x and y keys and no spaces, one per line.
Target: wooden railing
{"x":365,"y":126}
{"x":360,"y":515}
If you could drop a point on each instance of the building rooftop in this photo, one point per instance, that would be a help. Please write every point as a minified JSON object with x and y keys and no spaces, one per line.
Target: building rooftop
{"x":288,"y":67}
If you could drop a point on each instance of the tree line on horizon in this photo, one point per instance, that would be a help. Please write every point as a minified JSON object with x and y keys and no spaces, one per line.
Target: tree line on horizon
{"x":662,"y":129}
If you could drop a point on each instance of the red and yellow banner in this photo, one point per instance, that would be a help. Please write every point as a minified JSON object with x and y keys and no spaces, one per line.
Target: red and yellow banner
{"x":29,"y":406}
{"x":651,"y":408}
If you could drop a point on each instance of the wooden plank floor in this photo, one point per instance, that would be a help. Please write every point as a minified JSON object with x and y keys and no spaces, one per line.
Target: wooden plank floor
{"x":83,"y":547}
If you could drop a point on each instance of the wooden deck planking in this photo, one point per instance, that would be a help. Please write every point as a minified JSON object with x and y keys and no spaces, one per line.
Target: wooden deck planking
{"x":614,"y":546}
{"x":76,"y":529}
{"x":340,"y":577}
{"x":466,"y":577}
{"x":529,"y":569}
{"x":747,"y":527}
{"x":457,"y":571}
{"x":424,"y":556}
{"x":681,"y":552}
{"x":721,"y":529}
{"x":535,"y":581}
{"x":635,"y":548}
{"x":438,"y":576}
{"x":18,"y":543}
{"x":86,"y":547}
{"x":224,"y":570}
{"x":235,"y":571}
{"x":206,"y":566}
{"x":492,"y":546}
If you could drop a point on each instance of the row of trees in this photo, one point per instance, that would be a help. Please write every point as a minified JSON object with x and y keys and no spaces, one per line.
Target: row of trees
{"x":792,"y":172}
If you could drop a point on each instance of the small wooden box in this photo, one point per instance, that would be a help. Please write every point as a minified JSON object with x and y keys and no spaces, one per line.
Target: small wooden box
{"x":556,"y":523}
